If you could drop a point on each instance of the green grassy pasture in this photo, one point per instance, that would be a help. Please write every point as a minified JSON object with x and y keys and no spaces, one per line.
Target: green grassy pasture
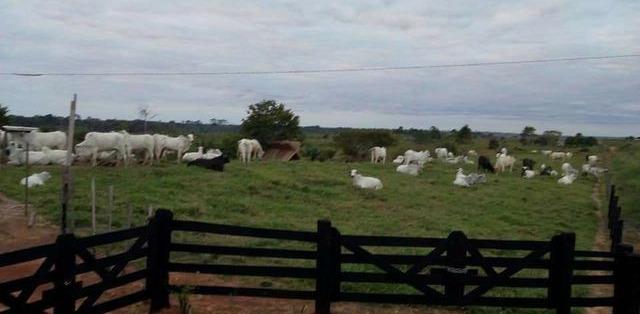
{"x":294,"y":195}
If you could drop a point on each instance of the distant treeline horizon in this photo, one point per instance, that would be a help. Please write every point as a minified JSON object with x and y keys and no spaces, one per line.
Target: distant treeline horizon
{"x":51,"y":122}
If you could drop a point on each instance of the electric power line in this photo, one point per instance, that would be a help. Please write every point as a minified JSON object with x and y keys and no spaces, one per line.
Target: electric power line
{"x":312,"y":71}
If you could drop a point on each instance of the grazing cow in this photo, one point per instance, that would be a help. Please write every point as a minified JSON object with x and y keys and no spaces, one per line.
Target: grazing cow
{"x":528,"y":163}
{"x":143,"y":143}
{"x":249,"y":149}
{"x":178,"y":144}
{"x":592,"y":160}
{"x":96,"y":142}
{"x":37,"y":140}
{"x":216,"y":164}
{"x":158,"y":144}
{"x":378,"y":154}
{"x":484,"y":164}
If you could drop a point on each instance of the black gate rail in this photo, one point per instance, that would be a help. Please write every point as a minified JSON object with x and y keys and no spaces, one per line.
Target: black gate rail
{"x":451,"y":271}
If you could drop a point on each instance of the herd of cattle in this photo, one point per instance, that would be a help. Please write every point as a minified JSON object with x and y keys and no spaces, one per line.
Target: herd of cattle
{"x":113,"y":148}
{"x":412,"y":163}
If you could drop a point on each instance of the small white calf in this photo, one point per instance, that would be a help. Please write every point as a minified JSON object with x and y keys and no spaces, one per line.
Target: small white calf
{"x":365,"y":182}
{"x":461,"y":179}
{"x":36,"y":179}
{"x":527,"y":174}
{"x":378,"y":154}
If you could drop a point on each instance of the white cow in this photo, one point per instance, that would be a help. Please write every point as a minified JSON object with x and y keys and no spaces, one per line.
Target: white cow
{"x":412,"y":156}
{"x":398,"y":160}
{"x":441,"y":153}
{"x":95,"y":142}
{"x":18,"y":156}
{"x":365,"y":182}
{"x":187,"y":157}
{"x":592,"y":160}
{"x":560,"y":155}
{"x":178,"y":144}
{"x":504,"y":161}
{"x":144,"y":143}
{"x":411,"y":169}
{"x":378,"y":154}
{"x":545,"y":152}
{"x":212,"y":153}
{"x":37,"y":140}
{"x":158,"y":144}
{"x":249,"y":149}
{"x":56,"y":156}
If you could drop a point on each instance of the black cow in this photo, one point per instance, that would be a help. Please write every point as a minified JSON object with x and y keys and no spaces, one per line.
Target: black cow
{"x":528,"y":163}
{"x":216,"y":164}
{"x":546,"y":171}
{"x":484,"y":164}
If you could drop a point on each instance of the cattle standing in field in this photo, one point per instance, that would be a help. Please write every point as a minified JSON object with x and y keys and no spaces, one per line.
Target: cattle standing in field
{"x":378,"y":154}
{"x":484,"y":164}
{"x":178,"y":144}
{"x":216,"y":164}
{"x":37,"y":140}
{"x":249,"y":149}
{"x":143,"y":143}
{"x":560,"y":155}
{"x":505,"y":161}
{"x":441,"y":153}
{"x":528,"y":163}
{"x":412,"y":156}
{"x":96,"y":142}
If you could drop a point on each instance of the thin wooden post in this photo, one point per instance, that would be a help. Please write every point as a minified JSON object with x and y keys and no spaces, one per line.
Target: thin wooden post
{"x":64,"y":275}
{"x":129,"y":215}
{"x":336,"y":251}
{"x":26,"y":185}
{"x":626,"y":292}
{"x":616,"y":234}
{"x":93,"y":204}
{"x":110,"y":208}
{"x":456,"y":253}
{"x":66,"y":172}
{"x":324,"y":269}
{"x":157,"y":281}
{"x":561,"y":272}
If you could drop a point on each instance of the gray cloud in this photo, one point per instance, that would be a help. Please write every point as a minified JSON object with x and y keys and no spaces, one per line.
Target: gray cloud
{"x":595,"y":97}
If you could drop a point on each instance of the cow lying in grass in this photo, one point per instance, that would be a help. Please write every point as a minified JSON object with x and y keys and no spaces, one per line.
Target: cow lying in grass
{"x":216,"y":164}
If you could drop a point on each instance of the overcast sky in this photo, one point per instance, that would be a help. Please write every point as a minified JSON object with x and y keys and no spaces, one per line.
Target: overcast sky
{"x":595,"y":97}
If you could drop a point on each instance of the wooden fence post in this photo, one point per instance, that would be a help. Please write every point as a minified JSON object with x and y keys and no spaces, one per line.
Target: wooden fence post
{"x":626,"y":292}
{"x":616,"y":234}
{"x":336,"y":250}
{"x":110,"y":209}
{"x":159,"y":239}
{"x":456,"y":253}
{"x":324,"y":269}
{"x":64,"y":274}
{"x":561,"y":272}
{"x":93,"y":205}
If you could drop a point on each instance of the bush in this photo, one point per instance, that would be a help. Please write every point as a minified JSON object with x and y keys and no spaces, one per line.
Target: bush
{"x":356,"y":143}
{"x":326,"y":154}
{"x":494,"y":143}
{"x":229,"y":144}
{"x":268,"y":121}
{"x":311,"y":152}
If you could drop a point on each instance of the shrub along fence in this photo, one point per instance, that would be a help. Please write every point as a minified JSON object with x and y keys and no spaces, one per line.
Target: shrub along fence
{"x":455,"y":271}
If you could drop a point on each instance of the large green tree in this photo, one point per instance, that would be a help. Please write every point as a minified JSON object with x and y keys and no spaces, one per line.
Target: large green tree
{"x":4,"y":115}
{"x":268,"y":121}
{"x":464,"y":135}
